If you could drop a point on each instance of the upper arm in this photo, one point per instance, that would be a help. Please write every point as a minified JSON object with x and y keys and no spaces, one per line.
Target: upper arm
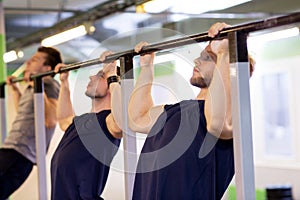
{"x":220,"y":128}
{"x":113,"y":127}
{"x":218,"y":102}
{"x":65,"y":122}
{"x":50,"y":111}
{"x":144,"y":123}
{"x":51,"y":92}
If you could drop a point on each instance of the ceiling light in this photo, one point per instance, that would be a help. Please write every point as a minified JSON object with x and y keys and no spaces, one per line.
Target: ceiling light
{"x":189,"y":6}
{"x":92,"y":29}
{"x":156,"y":6}
{"x":20,"y":54}
{"x":12,"y":55}
{"x":64,"y":36}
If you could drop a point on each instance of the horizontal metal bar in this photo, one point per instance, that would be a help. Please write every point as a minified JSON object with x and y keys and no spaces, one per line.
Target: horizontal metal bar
{"x":69,"y":67}
{"x":202,"y":37}
{"x":19,"y":79}
{"x":266,"y":23}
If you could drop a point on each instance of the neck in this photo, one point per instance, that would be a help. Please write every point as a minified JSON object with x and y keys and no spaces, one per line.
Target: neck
{"x":99,"y":104}
{"x":202,"y":94}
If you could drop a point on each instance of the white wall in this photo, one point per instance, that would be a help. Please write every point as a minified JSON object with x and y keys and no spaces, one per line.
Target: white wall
{"x":277,"y":169}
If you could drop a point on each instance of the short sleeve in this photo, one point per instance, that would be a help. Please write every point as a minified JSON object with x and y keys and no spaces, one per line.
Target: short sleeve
{"x":51,"y":88}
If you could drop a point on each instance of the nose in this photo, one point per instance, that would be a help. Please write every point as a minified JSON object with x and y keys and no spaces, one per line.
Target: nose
{"x":28,"y":63}
{"x":197,"y":61}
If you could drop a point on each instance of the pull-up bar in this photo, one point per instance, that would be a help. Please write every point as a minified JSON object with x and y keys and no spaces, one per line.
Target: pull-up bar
{"x":202,"y":37}
{"x":237,"y":36}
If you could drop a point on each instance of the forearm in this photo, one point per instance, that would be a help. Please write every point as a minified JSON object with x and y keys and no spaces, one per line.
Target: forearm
{"x":16,"y":96}
{"x":64,"y":112}
{"x":141,"y":100}
{"x":218,"y":103}
{"x":114,"y":120}
{"x":50,"y":111}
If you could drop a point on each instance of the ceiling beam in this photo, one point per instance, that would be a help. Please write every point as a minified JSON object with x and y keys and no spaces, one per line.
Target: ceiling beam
{"x":26,"y":11}
{"x":99,"y":11}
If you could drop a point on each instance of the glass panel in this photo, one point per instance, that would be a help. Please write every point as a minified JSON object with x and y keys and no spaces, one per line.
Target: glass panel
{"x":277,"y":128}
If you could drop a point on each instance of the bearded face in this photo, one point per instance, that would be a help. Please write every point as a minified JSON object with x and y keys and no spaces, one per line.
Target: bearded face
{"x":97,"y":87}
{"x":204,"y":68}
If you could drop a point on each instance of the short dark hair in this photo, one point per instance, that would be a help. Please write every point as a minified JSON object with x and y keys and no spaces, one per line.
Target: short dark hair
{"x":252,"y":64}
{"x":53,"y":56}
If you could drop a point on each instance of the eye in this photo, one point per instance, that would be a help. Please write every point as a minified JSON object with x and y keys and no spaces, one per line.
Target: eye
{"x":205,"y":57}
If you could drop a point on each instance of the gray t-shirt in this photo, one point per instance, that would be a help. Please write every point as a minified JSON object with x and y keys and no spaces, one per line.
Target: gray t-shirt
{"x":22,"y":135}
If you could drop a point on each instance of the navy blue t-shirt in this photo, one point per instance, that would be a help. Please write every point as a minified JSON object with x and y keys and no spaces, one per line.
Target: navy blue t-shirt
{"x":180,"y":160}
{"x":80,"y":164}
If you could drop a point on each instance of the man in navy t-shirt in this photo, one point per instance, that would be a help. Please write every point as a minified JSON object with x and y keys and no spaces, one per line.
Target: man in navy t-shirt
{"x":80,"y":164}
{"x":188,"y":152}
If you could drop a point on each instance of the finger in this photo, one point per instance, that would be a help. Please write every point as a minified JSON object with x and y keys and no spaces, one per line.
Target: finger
{"x":216,"y":28}
{"x":139,"y":46}
{"x":58,"y":67}
{"x":8,"y":80}
{"x":222,"y":26}
{"x":212,"y":30}
{"x":26,"y":77}
{"x":105,"y":54}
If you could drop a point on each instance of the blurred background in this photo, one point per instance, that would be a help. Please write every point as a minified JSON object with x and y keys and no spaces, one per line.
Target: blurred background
{"x":28,"y":22}
{"x":119,"y":25}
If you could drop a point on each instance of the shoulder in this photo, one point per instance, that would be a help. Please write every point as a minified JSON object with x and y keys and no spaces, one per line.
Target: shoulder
{"x":51,"y":84}
{"x":101,"y":117}
{"x":103,"y":114}
{"x":190,"y":106}
{"x":51,"y":81}
{"x":105,"y":125}
{"x":51,"y":88}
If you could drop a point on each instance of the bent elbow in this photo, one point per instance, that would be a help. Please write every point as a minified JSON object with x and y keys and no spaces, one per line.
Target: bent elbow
{"x":63,"y":125}
{"x":50,"y":123}
{"x":135,"y":126}
{"x":220,"y":129}
{"x":132,"y":125}
{"x":227,"y":131}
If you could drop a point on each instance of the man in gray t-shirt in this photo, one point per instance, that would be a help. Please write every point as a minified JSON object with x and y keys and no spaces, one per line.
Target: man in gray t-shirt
{"x":18,"y":153}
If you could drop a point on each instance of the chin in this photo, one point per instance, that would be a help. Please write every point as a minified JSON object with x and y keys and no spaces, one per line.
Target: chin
{"x":194,"y":81}
{"x":198,"y":82}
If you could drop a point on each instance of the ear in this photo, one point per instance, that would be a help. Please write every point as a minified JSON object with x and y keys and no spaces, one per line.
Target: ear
{"x":47,"y":68}
{"x":108,"y":91}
